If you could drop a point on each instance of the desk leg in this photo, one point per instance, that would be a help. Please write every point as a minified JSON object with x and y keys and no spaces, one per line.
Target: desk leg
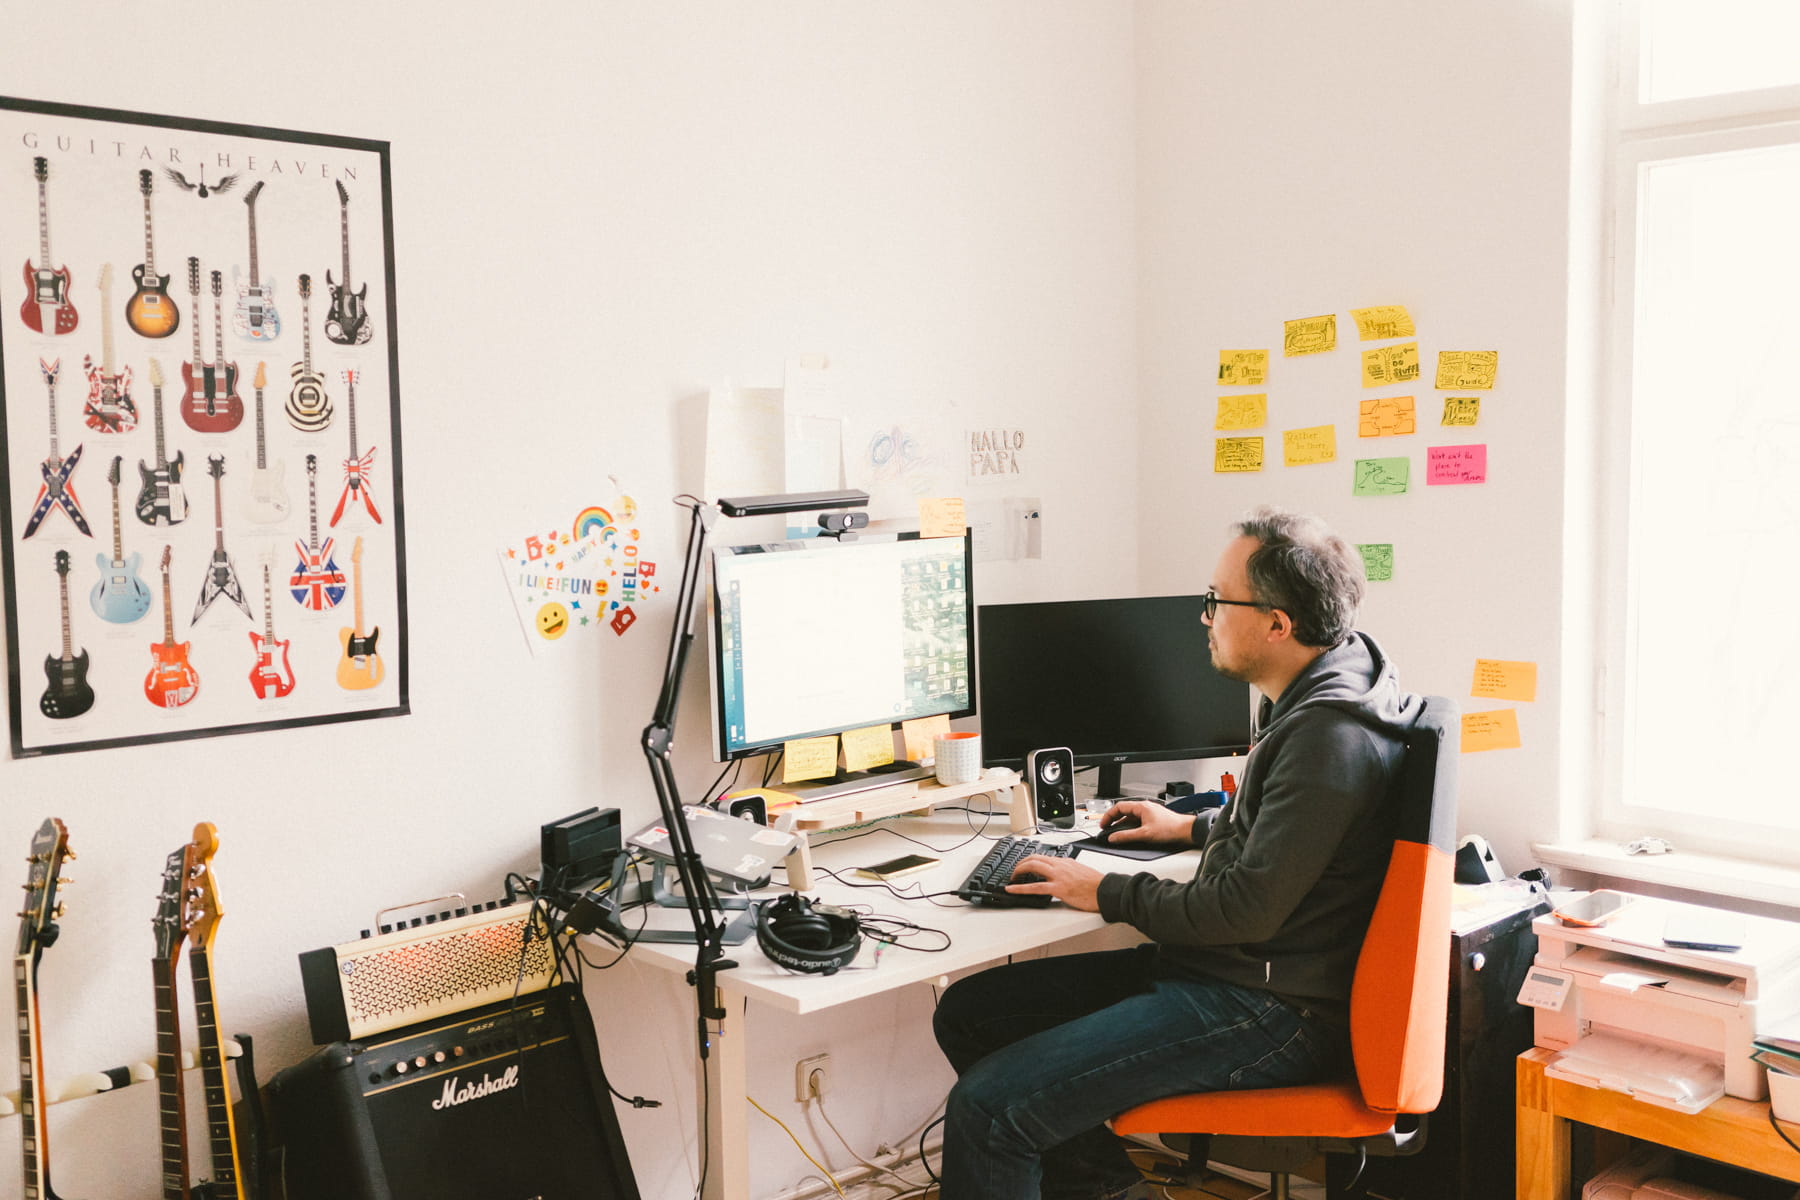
{"x":726,"y":1089}
{"x":1542,"y":1149}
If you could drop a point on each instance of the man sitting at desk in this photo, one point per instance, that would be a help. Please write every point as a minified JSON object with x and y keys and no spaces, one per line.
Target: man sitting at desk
{"x":1246,"y":981}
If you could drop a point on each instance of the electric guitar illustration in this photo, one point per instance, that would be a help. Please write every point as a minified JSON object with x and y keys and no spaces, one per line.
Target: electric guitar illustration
{"x":47,"y":288}
{"x":225,"y":1183}
{"x":150,"y":311}
{"x":57,"y":490}
{"x":255,"y":316}
{"x":308,"y":407}
{"x":160,"y":500}
{"x":271,"y":676}
{"x":211,"y":403}
{"x":68,"y":694}
{"x":347,"y":323}
{"x":360,"y":667}
{"x":268,"y":493}
{"x":172,"y":681}
{"x":356,"y":468}
{"x":316,"y":583}
{"x":120,"y":596}
{"x":173,"y":919}
{"x":221,"y":576}
{"x":37,"y":930}
{"x":109,"y":408}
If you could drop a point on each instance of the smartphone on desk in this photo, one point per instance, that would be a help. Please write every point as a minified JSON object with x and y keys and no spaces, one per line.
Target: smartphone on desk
{"x":1595,"y":908}
{"x":1703,"y":929}
{"x":894,"y":868}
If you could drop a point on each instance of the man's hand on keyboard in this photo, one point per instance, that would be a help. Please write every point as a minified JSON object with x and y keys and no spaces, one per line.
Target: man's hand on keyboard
{"x":1064,"y":878}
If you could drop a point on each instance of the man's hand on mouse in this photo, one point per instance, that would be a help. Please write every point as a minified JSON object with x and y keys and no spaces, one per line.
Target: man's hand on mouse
{"x":1155,"y":823}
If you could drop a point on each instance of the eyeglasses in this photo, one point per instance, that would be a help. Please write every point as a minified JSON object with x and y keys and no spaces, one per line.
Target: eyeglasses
{"x":1210,"y":605}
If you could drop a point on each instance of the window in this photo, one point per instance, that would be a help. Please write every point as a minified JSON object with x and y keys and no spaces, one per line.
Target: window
{"x":1702,"y":641}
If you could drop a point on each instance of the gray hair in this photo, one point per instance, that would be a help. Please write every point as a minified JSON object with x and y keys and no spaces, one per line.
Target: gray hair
{"x":1306,"y":571}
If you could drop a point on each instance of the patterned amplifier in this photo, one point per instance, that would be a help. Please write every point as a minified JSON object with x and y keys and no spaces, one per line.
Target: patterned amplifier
{"x":424,"y":970}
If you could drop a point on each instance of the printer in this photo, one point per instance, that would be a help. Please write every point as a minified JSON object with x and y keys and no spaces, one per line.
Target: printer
{"x":1619,"y":983}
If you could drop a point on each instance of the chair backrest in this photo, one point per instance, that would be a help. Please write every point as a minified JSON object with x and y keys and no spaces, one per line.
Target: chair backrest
{"x":1401,"y":991}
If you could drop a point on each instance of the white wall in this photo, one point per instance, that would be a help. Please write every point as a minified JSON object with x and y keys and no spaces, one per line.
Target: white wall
{"x":600,"y":211}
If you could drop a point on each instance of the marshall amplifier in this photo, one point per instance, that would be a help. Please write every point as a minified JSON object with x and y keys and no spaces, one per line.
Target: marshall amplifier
{"x":503,"y":1102}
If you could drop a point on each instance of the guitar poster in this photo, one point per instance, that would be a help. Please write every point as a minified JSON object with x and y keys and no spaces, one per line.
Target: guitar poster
{"x":201,"y":517}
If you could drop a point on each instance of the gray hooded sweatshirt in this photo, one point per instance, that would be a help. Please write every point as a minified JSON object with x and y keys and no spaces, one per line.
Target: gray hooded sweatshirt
{"x":1292,"y":866}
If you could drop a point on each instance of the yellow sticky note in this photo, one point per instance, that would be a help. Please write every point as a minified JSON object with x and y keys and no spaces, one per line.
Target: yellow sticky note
{"x":1237,"y":454}
{"x":1462,"y":410}
{"x":1498,"y":679}
{"x":1309,"y":335}
{"x":1302,"y":447}
{"x":1385,"y":417}
{"x":920,"y":734}
{"x":868,"y":747}
{"x":1243,"y":368}
{"x":1249,"y":411}
{"x":1385,"y":366}
{"x":809,"y":758}
{"x":941,"y":516}
{"x":1497,"y":730}
{"x":1383,"y":321}
{"x":1467,"y":370}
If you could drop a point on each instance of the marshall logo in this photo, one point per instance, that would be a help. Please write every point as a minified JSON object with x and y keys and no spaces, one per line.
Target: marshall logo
{"x":454,"y":1095}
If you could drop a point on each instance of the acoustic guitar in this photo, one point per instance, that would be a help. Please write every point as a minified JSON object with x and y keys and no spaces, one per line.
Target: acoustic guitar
{"x":46,"y":287}
{"x":37,"y":930}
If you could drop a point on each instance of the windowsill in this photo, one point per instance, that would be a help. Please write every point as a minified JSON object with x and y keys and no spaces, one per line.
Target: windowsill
{"x":1710,"y":874}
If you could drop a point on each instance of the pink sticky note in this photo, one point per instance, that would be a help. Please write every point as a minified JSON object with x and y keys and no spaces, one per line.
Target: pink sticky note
{"x":1456,"y":464}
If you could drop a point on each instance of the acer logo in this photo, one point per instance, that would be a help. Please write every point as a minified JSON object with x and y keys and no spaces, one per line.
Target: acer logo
{"x":454,"y":1095}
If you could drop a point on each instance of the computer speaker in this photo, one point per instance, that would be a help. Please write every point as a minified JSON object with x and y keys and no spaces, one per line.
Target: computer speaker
{"x":1051,"y":775}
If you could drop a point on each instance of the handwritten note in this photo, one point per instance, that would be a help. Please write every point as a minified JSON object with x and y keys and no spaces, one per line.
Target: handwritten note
{"x":941,"y":516}
{"x":1231,"y":455}
{"x":809,"y":758}
{"x":1461,"y":410}
{"x":1497,"y":730}
{"x":1385,"y":417}
{"x":1303,"y":447}
{"x":1243,"y":368}
{"x":1385,"y":366}
{"x":871,"y":746}
{"x":1498,"y":679}
{"x":1383,"y":321}
{"x":1380,"y":476}
{"x":920,"y":735}
{"x":1309,"y":335}
{"x":1248,"y":411}
{"x":1467,"y":370}
{"x":1455,"y":464}
{"x":1378,"y":560}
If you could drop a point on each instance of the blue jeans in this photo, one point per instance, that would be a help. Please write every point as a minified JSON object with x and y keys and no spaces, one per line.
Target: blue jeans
{"x":1047,"y":1050}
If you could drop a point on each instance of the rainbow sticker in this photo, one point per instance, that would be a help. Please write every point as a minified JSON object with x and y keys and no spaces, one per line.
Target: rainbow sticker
{"x":593,"y":522}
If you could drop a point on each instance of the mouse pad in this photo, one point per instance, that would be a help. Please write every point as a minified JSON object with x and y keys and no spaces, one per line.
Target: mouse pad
{"x":1143,"y":852}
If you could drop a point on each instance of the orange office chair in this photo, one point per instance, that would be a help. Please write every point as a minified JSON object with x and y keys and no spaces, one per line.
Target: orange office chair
{"x":1398,"y":1002}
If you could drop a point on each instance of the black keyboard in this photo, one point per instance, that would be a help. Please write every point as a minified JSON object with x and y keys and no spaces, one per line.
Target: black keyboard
{"x":986,"y":884}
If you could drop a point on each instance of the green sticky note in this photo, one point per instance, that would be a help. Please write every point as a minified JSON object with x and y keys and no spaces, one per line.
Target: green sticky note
{"x":1381,"y":476}
{"x":1378,"y":560}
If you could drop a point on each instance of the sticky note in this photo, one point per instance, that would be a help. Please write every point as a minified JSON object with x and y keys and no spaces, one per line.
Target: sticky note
{"x":1388,"y":365}
{"x":1237,"y":454}
{"x":1309,"y":335}
{"x":1385,"y":417}
{"x":919,"y":736}
{"x":941,"y":516}
{"x":809,"y":758}
{"x":1497,"y":730}
{"x":1243,"y":368}
{"x":871,"y":746}
{"x":1303,"y":447}
{"x":1455,"y":464}
{"x":1498,"y":679}
{"x":1380,"y":476}
{"x":1467,"y":370}
{"x":1383,"y":321}
{"x":1378,"y":560}
{"x":1461,"y":410}
{"x":1248,"y":411}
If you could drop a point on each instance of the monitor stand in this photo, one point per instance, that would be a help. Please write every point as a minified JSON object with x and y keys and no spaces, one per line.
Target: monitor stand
{"x":1109,"y":781}
{"x":845,"y":783}
{"x":662,"y":891}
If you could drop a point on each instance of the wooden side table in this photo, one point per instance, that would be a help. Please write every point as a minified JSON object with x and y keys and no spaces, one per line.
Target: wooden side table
{"x":1729,"y":1130}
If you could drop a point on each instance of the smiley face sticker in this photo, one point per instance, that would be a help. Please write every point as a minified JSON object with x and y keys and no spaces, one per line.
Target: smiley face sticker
{"x":552,"y":621}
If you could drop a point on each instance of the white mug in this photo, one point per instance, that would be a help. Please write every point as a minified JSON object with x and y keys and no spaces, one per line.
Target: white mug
{"x":958,"y":757}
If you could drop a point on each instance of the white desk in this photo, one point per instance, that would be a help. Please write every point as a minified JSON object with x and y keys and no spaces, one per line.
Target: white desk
{"x":979,"y":935}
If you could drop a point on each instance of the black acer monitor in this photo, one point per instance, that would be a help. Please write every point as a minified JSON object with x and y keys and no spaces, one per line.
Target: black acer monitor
{"x":1116,"y":681}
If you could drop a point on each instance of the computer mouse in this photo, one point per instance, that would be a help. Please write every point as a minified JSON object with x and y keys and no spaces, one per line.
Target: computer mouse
{"x":1123,"y":822}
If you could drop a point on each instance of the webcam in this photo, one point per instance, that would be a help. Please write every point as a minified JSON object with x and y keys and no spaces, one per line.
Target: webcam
{"x":843,"y":522}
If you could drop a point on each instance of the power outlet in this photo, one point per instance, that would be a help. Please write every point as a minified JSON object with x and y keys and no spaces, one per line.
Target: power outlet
{"x":810,"y":1075}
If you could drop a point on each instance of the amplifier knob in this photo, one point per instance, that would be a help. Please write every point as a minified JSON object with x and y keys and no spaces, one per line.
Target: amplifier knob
{"x":421,"y":1062}
{"x":439,"y":1057}
{"x":456,"y":1051}
{"x":402,"y":1067}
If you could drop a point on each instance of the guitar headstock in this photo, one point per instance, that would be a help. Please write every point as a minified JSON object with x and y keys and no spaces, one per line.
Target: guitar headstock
{"x":40,"y":166}
{"x":156,"y":379}
{"x":312,"y":464}
{"x":173,"y":916}
{"x":262,"y":372}
{"x":62,"y":563}
{"x":250,"y":196}
{"x":168,"y":552}
{"x":215,"y":465}
{"x":218,"y":281}
{"x":203,"y":896}
{"x":37,"y":925}
{"x":112,"y":474}
{"x":194,"y":276}
{"x":145,"y":182}
{"x":306,"y":287}
{"x":343,"y":196}
{"x":353,"y":376}
{"x":50,"y":369}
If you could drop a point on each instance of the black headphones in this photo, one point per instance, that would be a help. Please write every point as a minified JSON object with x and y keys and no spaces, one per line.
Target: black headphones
{"x":804,"y":936}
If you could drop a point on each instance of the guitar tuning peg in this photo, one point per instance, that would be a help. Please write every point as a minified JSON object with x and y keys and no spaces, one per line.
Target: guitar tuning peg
{"x":68,"y":855}
{"x":66,"y":881}
{"x":57,"y":912}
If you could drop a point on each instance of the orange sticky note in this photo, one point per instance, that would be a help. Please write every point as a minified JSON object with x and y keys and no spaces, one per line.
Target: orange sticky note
{"x":1498,"y":679}
{"x":920,"y":736}
{"x":1497,"y":730}
{"x":941,"y":516}
{"x":809,"y":758}
{"x":871,"y":746}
